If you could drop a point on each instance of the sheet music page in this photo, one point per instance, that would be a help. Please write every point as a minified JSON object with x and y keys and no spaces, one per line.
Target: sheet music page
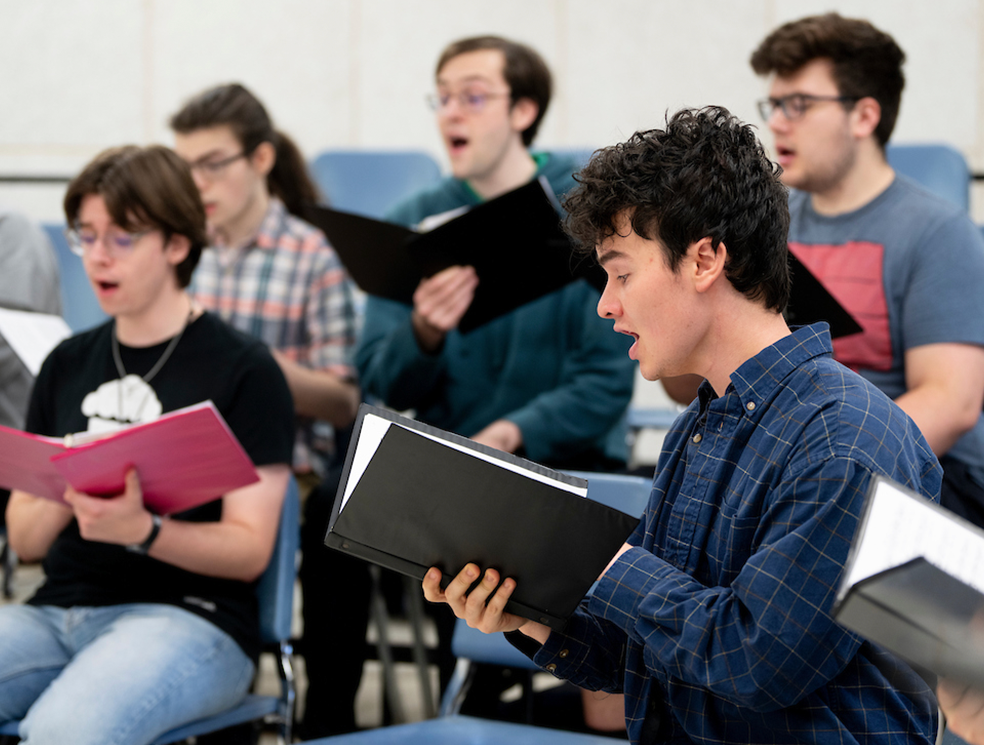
{"x":900,"y":528}
{"x":374,"y":429}
{"x":32,"y":336}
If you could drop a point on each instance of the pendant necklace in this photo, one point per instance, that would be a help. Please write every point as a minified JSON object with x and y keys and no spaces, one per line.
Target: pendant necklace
{"x":118,"y":360}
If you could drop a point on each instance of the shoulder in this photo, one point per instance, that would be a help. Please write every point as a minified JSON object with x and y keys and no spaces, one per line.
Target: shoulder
{"x":224,"y":341}
{"x":77,"y":349}
{"x":840,"y":414}
{"x":559,"y":171}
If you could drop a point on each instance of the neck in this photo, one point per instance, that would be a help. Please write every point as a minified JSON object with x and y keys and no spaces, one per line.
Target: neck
{"x":241,"y":230}
{"x":742,"y":330}
{"x":164,"y":321}
{"x":515,"y":168}
{"x":869,"y":176}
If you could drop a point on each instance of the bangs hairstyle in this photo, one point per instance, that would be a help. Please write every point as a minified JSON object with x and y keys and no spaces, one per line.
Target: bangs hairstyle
{"x":866,"y":61}
{"x":705,"y":175}
{"x":526,"y":74}
{"x":145,"y":187}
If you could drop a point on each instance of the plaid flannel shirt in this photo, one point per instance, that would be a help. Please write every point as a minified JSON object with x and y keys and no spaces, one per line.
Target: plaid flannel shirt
{"x":717,"y":623}
{"x":288,"y":288}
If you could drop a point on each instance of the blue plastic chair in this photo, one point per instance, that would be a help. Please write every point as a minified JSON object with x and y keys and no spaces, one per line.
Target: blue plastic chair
{"x":627,"y":493}
{"x":80,"y":309}
{"x":370,"y":182}
{"x":939,"y":168}
{"x":275,"y":592}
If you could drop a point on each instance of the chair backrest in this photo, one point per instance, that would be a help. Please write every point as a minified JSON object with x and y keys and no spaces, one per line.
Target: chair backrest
{"x":370,"y":182}
{"x":275,"y":589}
{"x":939,"y":168}
{"x":80,"y":309}
{"x":630,"y":494}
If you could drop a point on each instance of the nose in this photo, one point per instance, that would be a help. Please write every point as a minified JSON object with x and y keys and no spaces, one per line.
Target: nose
{"x":608,"y":305}
{"x":777,"y":120}
{"x":199,"y":178}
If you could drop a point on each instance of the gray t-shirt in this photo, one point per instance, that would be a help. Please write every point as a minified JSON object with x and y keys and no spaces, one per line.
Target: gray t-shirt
{"x":910,"y":268}
{"x":28,"y":281}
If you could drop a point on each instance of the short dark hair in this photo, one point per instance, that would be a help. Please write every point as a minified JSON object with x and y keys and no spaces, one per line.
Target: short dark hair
{"x":233,"y":106}
{"x":145,"y":187}
{"x":525,"y":72}
{"x":866,"y":61}
{"x":705,"y":175}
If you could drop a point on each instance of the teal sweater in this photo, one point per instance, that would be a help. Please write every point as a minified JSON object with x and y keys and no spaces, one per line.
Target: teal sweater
{"x":553,"y":367}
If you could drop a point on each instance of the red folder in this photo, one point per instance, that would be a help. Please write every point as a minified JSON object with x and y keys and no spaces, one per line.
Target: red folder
{"x":185,"y":458}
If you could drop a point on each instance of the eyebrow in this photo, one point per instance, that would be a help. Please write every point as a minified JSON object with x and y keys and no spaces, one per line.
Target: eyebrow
{"x":467,"y":80}
{"x":610,"y":255}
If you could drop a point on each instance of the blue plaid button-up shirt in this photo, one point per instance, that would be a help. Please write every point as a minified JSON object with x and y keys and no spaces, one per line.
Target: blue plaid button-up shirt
{"x":718,"y":621}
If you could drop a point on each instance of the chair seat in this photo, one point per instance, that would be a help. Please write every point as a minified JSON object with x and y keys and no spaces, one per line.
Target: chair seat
{"x":251,"y":709}
{"x":459,"y":730}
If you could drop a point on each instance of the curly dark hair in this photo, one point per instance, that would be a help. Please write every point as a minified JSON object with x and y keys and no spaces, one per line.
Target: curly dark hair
{"x":866,"y":61}
{"x":705,"y":175}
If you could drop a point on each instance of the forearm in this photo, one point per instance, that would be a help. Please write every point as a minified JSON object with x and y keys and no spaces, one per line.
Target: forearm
{"x":941,"y":417}
{"x":320,"y":394}
{"x":33,"y":524}
{"x":218,"y":549}
{"x":239,"y":546}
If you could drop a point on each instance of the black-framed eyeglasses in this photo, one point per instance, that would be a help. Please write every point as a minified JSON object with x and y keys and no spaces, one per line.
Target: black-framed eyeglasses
{"x":795,"y":105}
{"x":213,"y":168}
{"x":471,"y":101}
{"x":118,"y":243}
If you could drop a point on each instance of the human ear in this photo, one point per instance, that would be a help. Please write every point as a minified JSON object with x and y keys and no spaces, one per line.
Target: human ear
{"x":263,"y":158}
{"x":865,"y":117}
{"x":523,"y":113}
{"x":708,"y":262}
{"x":177,"y":249}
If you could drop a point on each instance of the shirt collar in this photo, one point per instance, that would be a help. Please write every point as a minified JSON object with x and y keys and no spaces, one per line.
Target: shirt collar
{"x":271,"y":226}
{"x":756,"y":379}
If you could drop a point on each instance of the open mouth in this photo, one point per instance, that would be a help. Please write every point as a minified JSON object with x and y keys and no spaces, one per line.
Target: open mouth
{"x":107,"y":286}
{"x":457,"y":143}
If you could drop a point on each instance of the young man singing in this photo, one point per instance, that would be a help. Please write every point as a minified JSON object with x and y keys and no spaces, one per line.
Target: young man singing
{"x":715,"y":617}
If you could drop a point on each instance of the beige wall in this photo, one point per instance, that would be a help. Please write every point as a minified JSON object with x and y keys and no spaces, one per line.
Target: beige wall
{"x":81,"y":75}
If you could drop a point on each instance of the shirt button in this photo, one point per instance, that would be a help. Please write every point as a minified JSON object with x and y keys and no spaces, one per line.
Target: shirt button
{"x":550,"y":668}
{"x":750,"y":406}
{"x":697,"y":438}
{"x":563,"y":654}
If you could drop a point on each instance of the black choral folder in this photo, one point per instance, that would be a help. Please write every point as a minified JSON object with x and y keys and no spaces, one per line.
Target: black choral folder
{"x":906,"y":587}
{"x":515,"y":242}
{"x":414,"y":496}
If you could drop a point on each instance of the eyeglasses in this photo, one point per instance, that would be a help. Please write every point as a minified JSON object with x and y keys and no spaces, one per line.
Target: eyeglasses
{"x":795,"y":105}
{"x":212,"y":169}
{"x":117,"y":243}
{"x":470,"y":101}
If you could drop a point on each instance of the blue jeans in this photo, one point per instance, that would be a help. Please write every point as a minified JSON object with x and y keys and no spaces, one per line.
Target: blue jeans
{"x":114,"y":675}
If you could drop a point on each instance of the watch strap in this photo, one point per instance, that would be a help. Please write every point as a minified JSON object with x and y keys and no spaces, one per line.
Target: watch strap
{"x":143,"y":548}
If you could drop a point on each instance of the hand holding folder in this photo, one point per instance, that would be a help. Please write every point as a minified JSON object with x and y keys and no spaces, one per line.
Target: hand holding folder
{"x":515,"y":242}
{"x":185,"y":458}
{"x":413,"y":497}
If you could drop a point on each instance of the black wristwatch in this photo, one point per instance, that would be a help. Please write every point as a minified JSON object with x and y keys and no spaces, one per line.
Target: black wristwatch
{"x":143,"y":548}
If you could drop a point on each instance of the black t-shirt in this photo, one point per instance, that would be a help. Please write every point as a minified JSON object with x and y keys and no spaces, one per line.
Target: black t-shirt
{"x":78,"y":389}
